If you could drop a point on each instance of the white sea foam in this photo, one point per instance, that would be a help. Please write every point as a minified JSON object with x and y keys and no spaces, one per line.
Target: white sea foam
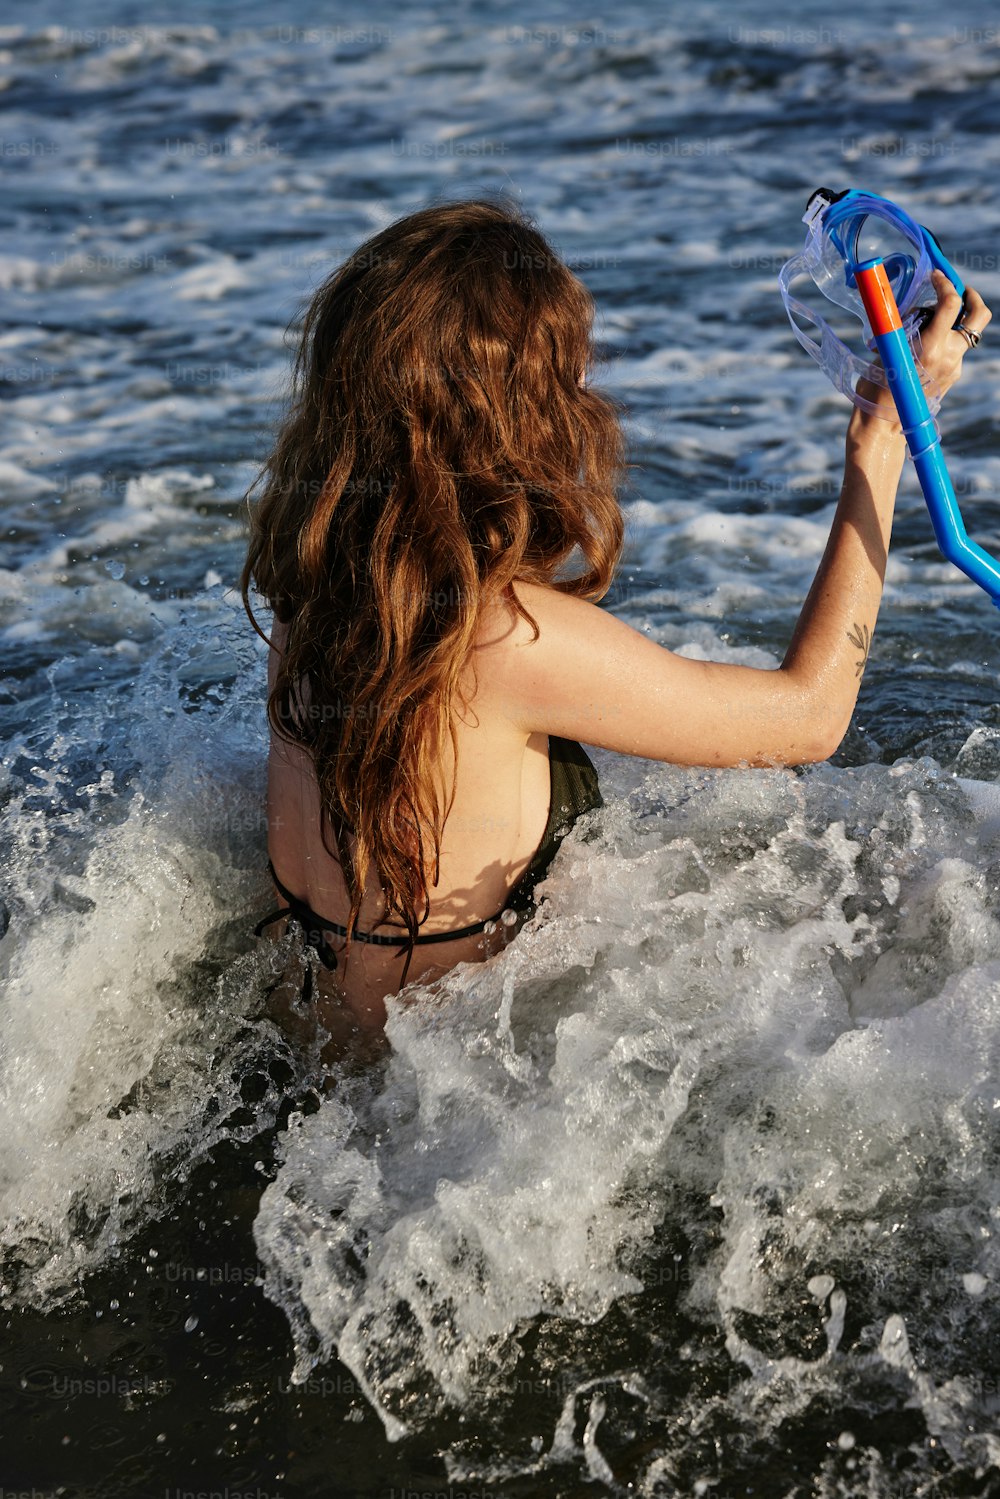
{"x":692,"y":1020}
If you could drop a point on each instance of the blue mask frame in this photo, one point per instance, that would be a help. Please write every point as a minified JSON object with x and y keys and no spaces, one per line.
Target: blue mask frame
{"x":838,"y":224}
{"x":893,"y":290}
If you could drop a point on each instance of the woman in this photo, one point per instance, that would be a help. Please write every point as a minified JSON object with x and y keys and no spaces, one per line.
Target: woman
{"x":437,"y":517}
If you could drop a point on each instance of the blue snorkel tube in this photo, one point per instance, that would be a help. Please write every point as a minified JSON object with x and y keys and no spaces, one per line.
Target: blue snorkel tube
{"x":919,"y":429}
{"x":887,"y":293}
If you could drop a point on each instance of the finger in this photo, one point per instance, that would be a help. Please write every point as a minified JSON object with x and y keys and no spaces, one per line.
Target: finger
{"x":975,"y":311}
{"x":949,"y":303}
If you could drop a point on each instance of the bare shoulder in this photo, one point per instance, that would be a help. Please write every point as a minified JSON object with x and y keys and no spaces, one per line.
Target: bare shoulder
{"x":590,"y":676}
{"x":510,"y":642}
{"x":505,"y":632}
{"x":535,"y":665}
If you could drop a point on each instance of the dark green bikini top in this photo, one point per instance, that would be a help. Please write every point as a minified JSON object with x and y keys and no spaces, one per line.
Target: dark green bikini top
{"x":573,"y":791}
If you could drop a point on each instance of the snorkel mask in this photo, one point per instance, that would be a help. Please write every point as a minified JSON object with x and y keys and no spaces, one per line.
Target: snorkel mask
{"x":868,"y":256}
{"x":845,"y":230}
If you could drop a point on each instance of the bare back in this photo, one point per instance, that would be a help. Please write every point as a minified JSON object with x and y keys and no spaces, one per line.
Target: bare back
{"x":501,"y":806}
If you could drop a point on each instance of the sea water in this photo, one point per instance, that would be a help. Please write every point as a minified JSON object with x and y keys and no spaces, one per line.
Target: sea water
{"x":694,"y":1189}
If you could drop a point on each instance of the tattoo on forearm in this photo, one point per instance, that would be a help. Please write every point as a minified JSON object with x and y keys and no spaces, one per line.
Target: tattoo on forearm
{"x":861,"y":637}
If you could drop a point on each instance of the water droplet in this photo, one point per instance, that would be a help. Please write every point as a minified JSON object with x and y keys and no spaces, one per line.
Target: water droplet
{"x":116,"y":569}
{"x":191,"y":1323}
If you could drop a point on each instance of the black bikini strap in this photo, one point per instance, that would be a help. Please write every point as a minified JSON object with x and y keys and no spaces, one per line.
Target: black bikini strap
{"x":307,"y":917}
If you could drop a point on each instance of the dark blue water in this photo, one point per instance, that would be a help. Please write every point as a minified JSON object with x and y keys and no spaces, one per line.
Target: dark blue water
{"x":692,"y":1191}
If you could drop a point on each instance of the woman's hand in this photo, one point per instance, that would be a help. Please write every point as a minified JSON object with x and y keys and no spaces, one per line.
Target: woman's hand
{"x":942,"y":347}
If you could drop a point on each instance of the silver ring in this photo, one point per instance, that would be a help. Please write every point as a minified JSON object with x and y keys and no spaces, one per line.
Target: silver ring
{"x":970,"y":334}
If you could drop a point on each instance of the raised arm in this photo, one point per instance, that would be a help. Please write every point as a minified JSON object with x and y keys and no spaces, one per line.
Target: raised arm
{"x":590,"y":676}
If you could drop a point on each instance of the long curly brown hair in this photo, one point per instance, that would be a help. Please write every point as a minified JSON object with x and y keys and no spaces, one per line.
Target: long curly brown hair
{"x":438,"y":448}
